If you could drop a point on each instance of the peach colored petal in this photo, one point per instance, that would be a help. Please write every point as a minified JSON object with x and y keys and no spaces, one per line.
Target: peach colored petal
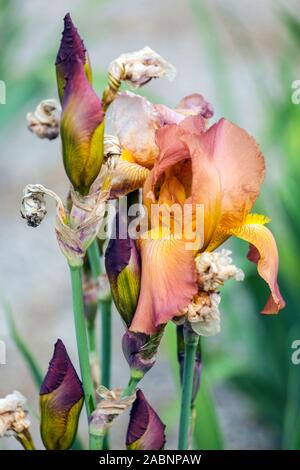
{"x":134,"y":120}
{"x":172,"y":148}
{"x":168,"y":282}
{"x":264,"y":253}
{"x":206,"y":188}
{"x":241,"y":166}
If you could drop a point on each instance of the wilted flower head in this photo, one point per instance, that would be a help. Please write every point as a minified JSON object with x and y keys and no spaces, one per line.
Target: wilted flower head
{"x":82,"y":120}
{"x":136,"y":69}
{"x":75,"y":229}
{"x":61,"y":399}
{"x":13,"y":414}
{"x":212,"y":269}
{"x":45,"y":120}
{"x":145,"y":431}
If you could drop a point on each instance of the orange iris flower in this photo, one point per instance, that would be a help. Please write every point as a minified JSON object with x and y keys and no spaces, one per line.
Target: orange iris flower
{"x":222,"y":169}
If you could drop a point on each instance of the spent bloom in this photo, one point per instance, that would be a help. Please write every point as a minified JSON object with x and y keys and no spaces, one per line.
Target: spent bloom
{"x":61,"y":400}
{"x":111,"y":405}
{"x":13,"y":414}
{"x":221,"y":170}
{"x":136,"y":69}
{"x":45,"y":120}
{"x":75,"y":229}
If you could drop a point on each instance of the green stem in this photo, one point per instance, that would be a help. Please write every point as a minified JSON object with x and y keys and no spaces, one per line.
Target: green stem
{"x":94,"y":259}
{"x":130,"y":387}
{"x":105,"y":310}
{"x":96,"y":442}
{"x":190,"y":348}
{"x":106,"y":342}
{"x":25,"y":439}
{"x":81,"y":337}
{"x":91,"y":332}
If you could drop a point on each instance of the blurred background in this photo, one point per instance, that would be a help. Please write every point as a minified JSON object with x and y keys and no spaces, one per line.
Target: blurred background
{"x":243,"y":57}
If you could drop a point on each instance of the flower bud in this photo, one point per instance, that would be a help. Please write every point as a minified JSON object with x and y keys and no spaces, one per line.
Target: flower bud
{"x":122,"y":262}
{"x":61,"y":399}
{"x":140,"y":351}
{"x":145,"y":430}
{"x":82,"y":120}
{"x":71,"y":46}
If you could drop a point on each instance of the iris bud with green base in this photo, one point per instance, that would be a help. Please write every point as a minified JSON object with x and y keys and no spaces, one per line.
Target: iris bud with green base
{"x":61,"y":400}
{"x":122,"y":262}
{"x":82,"y":120}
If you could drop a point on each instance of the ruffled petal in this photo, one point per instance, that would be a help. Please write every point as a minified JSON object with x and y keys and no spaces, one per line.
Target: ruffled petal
{"x":240,"y":163}
{"x":135,"y":120}
{"x":263,"y":252}
{"x":127,"y":177}
{"x":168,"y":282}
{"x":206,"y":186}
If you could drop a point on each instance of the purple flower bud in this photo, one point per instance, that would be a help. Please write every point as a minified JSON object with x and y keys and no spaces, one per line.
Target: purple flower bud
{"x":61,"y":399}
{"x":145,"y":430}
{"x":122,"y":262}
{"x":82,"y":119}
{"x":71,"y":47}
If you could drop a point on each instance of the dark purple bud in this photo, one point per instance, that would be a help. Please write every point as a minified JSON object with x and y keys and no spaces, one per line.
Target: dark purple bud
{"x":145,"y":430}
{"x":71,"y":50}
{"x":61,"y":399}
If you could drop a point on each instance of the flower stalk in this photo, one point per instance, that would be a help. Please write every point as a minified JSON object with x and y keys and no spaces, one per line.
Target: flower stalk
{"x":190,"y":348}
{"x":81,"y":337}
{"x":105,"y":311}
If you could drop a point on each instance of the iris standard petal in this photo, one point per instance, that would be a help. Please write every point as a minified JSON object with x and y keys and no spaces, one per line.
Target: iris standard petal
{"x":241,"y":166}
